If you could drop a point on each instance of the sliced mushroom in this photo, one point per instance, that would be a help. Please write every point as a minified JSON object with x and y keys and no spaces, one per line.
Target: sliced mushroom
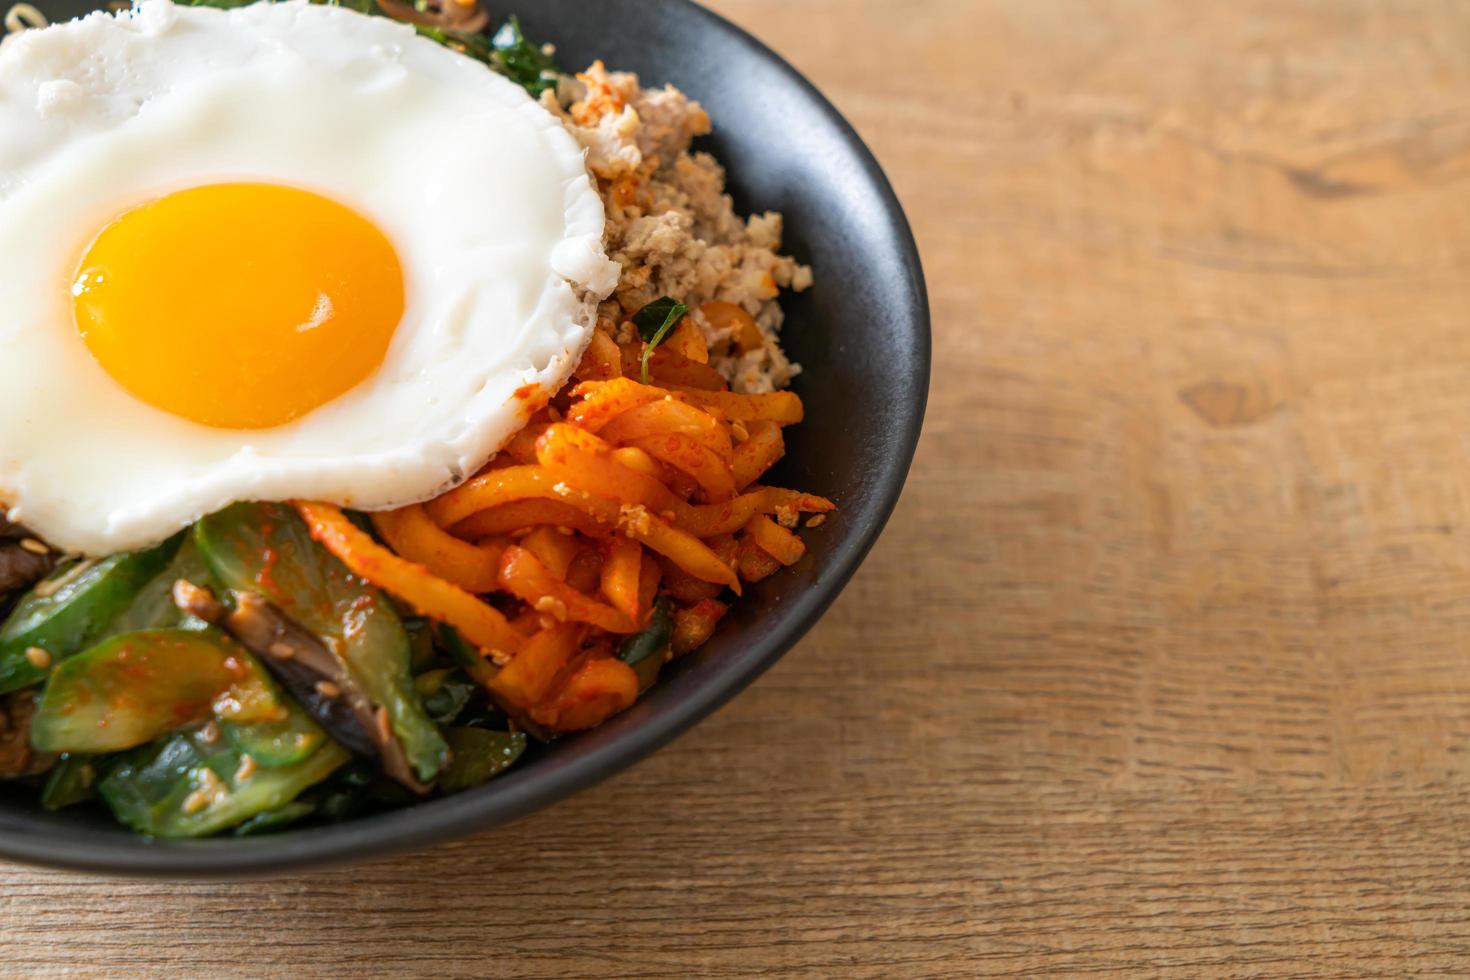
{"x":23,"y":564}
{"x":460,"y":16}
{"x":17,"y":758}
{"x":309,"y":670}
{"x":24,"y":560}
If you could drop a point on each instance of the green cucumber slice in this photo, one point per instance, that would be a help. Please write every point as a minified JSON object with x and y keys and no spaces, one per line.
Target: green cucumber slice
{"x":72,"y":609}
{"x":267,"y":549}
{"x":134,"y":687}
{"x":190,"y":786}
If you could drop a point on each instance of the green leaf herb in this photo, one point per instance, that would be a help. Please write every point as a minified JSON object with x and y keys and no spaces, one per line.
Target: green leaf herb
{"x":479,"y":756}
{"x":654,"y":322}
{"x":272,"y":820}
{"x":472,"y":45}
{"x":653,"y":640}
{"x":521,"y":61}
{"x":444,"y":693}
{"x":72,"y":781}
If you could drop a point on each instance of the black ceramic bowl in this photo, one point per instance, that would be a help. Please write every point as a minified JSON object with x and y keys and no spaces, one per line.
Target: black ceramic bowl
{"x":862,"y":334}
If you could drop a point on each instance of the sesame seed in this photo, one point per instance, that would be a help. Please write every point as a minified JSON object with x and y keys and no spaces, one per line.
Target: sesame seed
{"x":49,"y":586}
{"x":38,"y":658}
{"x":209,"y":734}
{"x":328,"y":690}
{"x":633,"y":519}
{"x":211,"y":790}
{"x":816,"y":520}
{"x":246,"y":770}
{"x":34,"y":547}
{"x":282,"y":651}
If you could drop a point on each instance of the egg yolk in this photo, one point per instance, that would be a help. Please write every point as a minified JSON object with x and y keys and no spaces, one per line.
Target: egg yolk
{"x":239,"y":306}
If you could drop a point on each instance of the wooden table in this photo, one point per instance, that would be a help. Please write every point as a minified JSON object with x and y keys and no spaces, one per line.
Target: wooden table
{"x":1162,"y":664}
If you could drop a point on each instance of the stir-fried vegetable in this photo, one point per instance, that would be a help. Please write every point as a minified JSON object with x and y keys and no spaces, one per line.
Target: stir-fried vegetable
{"x":154,"y":607}
{"x":18,"y":758}
{"x":524,"y":63}
{"x":272,"y":820}
{"x":71,"y":781}
{"x":195,"y":783}
{"x":313,"y":674}
{"x":653,"y":640}
{"x":445,"y":693}
{"x":654,"y":322}
{"x":254,"y":751}
{"x":70,"y":610}
{"x":646,"y":652}
{"x":137,"y":686}
{"x":479,"y":756}
{"x":267,"y":550}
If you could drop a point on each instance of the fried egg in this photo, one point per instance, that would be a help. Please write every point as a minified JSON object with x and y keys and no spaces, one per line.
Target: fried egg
{"x":282,"y":251}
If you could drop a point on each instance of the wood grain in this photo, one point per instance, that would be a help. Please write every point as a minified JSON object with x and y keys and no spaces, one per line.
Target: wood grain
{"x":1161,"y":668}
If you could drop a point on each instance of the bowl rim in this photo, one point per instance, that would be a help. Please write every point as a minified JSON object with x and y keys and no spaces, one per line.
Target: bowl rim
{"x":30,"y":840}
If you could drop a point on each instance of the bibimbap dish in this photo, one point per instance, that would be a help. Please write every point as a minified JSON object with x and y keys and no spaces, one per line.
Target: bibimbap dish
{"x":374,"y":398}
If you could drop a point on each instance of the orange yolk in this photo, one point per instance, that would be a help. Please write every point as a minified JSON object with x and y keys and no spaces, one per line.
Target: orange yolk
{"x":239,"y":306}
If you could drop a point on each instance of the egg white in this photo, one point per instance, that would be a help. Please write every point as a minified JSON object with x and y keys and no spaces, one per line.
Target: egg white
{"x":485,"y":197}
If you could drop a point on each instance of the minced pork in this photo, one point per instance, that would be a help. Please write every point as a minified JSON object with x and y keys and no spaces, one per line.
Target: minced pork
{"x":670,"y":224}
